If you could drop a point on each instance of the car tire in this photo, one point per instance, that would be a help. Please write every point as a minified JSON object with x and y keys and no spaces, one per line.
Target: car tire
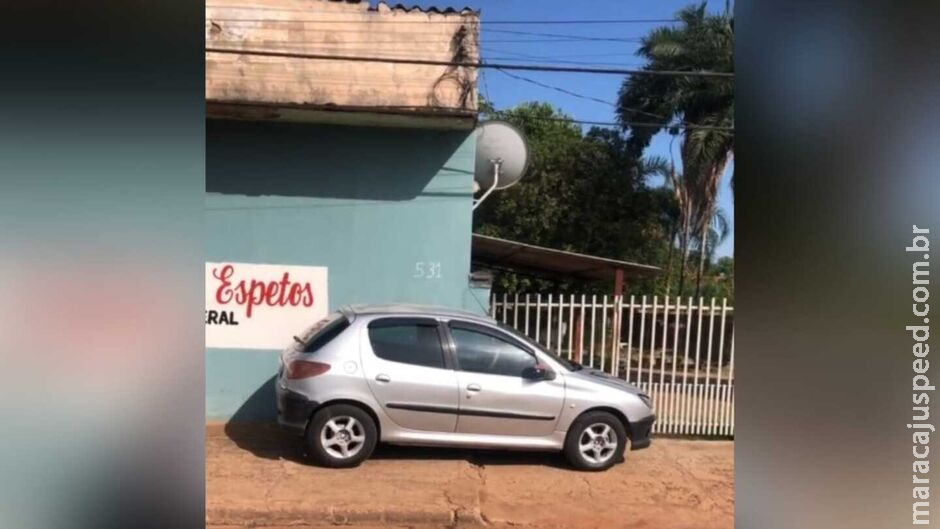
{"x":596,"y":441}
{"x":340,"y":436}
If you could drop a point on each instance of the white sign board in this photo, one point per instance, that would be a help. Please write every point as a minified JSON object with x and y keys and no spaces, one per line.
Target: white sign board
{"x":261,"y":306}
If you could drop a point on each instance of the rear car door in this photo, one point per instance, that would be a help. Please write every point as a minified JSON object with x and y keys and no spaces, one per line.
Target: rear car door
{"x":495,"y":398}
{"x":404,"y":362}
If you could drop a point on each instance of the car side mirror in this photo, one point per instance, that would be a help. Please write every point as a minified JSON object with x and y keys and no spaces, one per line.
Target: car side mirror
{"x":538,"y":372}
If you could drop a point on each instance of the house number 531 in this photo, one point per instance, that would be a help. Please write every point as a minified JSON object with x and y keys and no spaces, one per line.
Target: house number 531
{"x":427,"y":270}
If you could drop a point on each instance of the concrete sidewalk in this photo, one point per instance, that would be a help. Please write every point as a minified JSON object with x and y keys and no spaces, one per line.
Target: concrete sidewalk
{"x":257,"y":477}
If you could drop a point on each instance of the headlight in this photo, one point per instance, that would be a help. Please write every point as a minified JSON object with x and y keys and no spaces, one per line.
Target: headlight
{"x":646,"y":400}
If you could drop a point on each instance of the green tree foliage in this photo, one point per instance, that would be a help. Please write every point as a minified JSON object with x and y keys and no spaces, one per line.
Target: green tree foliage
{"x":583,"y":192}
{"x":719,"y":282}
{"x":701,"y":42}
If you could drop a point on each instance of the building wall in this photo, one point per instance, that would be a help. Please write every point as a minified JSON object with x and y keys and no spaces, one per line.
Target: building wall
{"x":374,"y":205}
{"x":340,"y":29}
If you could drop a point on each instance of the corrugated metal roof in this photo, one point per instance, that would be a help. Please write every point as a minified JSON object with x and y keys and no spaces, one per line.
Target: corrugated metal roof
{"x":502,"y":253}
{"x":432,"y":9}
{"x":402,"y":7}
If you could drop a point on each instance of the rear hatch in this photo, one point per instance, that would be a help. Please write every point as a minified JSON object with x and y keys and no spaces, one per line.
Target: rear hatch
{"x":312,"y":339}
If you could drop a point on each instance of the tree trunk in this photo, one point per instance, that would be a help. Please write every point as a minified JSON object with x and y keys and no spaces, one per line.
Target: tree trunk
{"x":709,"y":197}
{"x":672,"y":244}
{"x":701,"y":260}
{"x":686,"y":247}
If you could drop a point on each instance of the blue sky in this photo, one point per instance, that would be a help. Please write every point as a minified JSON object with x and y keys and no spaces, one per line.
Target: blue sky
{"x":506,"y":92}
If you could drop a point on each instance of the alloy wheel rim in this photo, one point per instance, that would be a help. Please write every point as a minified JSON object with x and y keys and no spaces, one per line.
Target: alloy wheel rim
{"x":597,"y":443}
{"x":343,"y":437}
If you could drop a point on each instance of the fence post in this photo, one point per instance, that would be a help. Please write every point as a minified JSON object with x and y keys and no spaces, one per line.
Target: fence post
{"x":538,"y":317}
{"x":615,"y":341}
{"x":603,"y":349}
{"x":548,"y":324}
{"x":639,"y":369}
{"x":593,"y":324}
{"x":572,"y":326}
{"x":580,"y":330}
{"x":630,"y":340}
{"x":696,"y":400}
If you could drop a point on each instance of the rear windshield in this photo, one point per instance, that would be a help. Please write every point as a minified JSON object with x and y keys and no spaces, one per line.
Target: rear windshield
{"x":322,"y":332}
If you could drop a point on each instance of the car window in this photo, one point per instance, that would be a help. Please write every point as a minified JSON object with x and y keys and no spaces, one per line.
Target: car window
{"x":567,"y":364}
{"x":408,"y":342}
{"x":484,"y":353}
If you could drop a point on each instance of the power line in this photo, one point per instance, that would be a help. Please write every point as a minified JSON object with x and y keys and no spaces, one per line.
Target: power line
{"x":608,"y":54}
{"x":575,"y":94}
{"x":516,"y":59}
{"x":321,"y":47}
{"x":371,"y":44}
{"x":486,"y":89}
{"x":573,"y":121}
{"x":566,"y":36}
{"x":434,"y":31}
{"x":552,"y":37}
{"x":555,"y":88}
{"x":554,"y":59}
{"x":595,"y":21}
{"x":445,"y":21}
{"x":608,"y":124}
{"x":536,"y":68}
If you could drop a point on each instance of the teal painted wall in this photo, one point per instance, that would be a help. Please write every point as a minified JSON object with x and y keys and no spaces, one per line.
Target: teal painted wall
{"x":374,"y":205}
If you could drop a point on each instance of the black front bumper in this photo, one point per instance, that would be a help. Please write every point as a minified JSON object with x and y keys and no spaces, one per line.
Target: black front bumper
{"x":294,"y":410}
{"x":640,"y":433}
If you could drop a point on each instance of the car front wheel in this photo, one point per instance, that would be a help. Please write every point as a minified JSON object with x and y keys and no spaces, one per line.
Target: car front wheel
{"x":341,"y":436}
{"x":595,"y":441}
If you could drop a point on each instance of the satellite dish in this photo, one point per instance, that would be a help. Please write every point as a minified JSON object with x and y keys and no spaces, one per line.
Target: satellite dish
{"x":502,"y":156}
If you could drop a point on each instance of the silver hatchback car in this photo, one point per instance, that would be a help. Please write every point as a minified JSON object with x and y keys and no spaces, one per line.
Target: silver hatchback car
{"x":429,"y":376}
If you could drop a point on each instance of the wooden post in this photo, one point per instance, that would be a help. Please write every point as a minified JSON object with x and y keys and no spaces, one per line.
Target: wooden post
{"x":578,"y":326}
{"x":618,"y":282}
{"x":615,"y":341}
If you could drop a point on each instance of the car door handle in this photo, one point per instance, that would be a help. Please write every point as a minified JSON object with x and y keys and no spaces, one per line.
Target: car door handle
{"x":382,"y":377}
{"x":474,"y":387}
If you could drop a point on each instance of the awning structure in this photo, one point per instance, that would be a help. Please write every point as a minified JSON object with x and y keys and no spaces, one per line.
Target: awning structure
{"x":537,"y":260}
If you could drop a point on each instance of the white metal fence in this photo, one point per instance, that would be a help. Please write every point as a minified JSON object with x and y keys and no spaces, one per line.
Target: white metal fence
{"x":678,"y":351}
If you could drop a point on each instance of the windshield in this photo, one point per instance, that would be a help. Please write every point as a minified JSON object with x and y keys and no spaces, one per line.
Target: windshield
{"x":567,"y":364}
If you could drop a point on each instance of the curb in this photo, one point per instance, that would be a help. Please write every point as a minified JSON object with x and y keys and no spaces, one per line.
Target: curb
{"x":327,"y":516}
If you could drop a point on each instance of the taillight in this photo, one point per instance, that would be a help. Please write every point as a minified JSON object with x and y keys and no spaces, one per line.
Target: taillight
{"x":304,"y":369}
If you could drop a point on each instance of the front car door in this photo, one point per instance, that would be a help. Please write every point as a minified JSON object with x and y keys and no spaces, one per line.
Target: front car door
{"x":404,"y":362}
{"x":494,"y":397}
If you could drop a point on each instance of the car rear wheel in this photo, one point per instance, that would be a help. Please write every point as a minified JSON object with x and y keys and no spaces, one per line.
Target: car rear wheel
{"x":595,"y":441}
{"x":341,"y":436}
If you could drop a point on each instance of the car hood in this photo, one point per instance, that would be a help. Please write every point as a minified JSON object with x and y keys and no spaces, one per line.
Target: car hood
{"x":599,"y":377}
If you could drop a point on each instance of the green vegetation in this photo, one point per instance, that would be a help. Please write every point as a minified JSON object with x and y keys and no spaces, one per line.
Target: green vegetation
{"x":700,"y":43}
{"x":590,"y":192}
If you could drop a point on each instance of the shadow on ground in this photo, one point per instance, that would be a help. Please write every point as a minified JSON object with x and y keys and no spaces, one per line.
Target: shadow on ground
{"x":270,"y":442}
{"x":252,"y":429}
{"x":474,"y":457}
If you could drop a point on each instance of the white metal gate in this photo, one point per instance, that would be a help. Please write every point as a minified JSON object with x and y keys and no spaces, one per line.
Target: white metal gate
{"x":678,"y":351}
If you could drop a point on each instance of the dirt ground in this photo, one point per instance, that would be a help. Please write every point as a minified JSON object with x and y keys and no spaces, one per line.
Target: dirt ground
{"x":258,"y":477}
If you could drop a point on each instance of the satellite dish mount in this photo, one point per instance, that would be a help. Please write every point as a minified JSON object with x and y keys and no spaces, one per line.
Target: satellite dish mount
{"x":496,"y":163}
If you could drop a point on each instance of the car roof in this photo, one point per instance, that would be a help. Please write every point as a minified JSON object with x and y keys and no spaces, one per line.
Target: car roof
{"x":413,"y":310}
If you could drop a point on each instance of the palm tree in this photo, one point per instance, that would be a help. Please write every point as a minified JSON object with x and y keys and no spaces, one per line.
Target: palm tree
{"x":709,"y":241}
{"x":683,"y":219}
{"x":699,"y":109}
